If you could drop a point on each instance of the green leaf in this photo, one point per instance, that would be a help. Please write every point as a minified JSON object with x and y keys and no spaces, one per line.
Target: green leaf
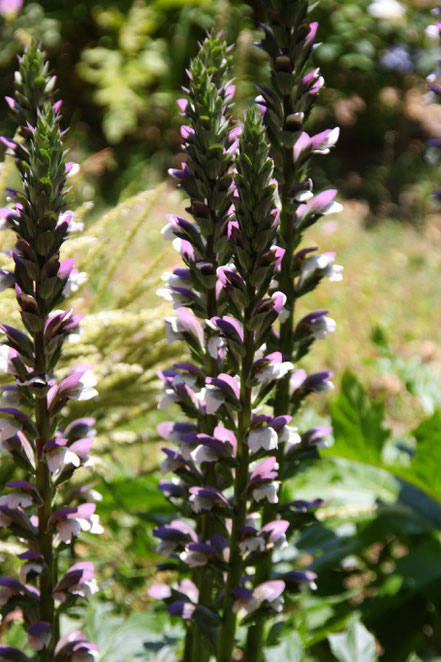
{"x":142,"y":637}
{"x":140,"y":496}
{"x":360,"y":433}
{"x":290,"y":648}
{"x":426,"y":465}
{"x":430,"y":428}
{"x":355,"y":645}
{"x":425,"y":469}
{"x":358,"y":423}
{"x":420,"y":568}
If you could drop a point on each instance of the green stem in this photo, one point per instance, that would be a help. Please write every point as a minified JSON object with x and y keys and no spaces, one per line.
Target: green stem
{"x":188,"y":644}
{"x":45,"y":488}
{"x":193,"y":651}
{"x":228,"y":629}
{"x":255,"y":637}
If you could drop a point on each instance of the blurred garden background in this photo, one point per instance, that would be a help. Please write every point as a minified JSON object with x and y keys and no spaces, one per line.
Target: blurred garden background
{"x":376,"y":544}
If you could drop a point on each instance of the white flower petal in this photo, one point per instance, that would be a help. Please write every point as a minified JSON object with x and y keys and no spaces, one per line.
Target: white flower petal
{"x":262,"y":437}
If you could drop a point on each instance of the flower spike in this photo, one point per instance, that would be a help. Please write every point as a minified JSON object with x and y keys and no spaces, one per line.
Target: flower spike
{"x":30,"y":429}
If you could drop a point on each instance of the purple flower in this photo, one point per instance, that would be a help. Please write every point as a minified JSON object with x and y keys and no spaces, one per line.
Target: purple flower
{"x":74,"y":646}
{"x":263,"y":437}
{"x":182,"y":608}
{"x":317,"y":324}
{"x":173,"y":489}
{"x":250,"y":542}
{"x":174,"y":535}
{"x":79,"y":385}
{"x":199,"y":554}
{"x":21,"y":521}
{"x":262,"y":483}
{"x":69,"y":521}
{"x":230,"y":327}
{"x":315,"y":436}
{"x":300,"y":579}
{"x":177,"y":290}
{"x":9,"y":654}
{"x":274,"y":533}
{"x":319,"y":382}
{"x":78,"y":580}
{"x":172,"y":431}
{"x":184,"y":323}
{"x":59,"y":455}
{"x":33,"y":562}
{"x":172,"y":462}
{"x":23,"y":496}
{"x":223,"y":444}
{"x":9,"y":586}
{"x":80,"y":428}
{"x":39,"y":635}
{"x":320,"y":263}
{"x":271,"y":367}
{"x":269,"y":592}
{"x":8,"y":429}
{"x":219,"y":390}
{"x":186,"y":589}
{"x":207,"y":498}
{"x":322,"y":204}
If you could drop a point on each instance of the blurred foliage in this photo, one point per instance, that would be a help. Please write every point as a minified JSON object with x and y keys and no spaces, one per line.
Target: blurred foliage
{"x":377,"y":541}
{"x":374,"y":57}
{"x":120,"y":66}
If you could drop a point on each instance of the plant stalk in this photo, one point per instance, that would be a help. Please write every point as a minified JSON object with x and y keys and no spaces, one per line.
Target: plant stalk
{"x":44,"y":485}
{"x":255,"y":637}
{"x":227,"y":636}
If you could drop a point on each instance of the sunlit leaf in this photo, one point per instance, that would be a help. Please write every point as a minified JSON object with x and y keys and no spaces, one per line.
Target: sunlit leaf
{"x":358,"y":423}
{"x":355,"y":645}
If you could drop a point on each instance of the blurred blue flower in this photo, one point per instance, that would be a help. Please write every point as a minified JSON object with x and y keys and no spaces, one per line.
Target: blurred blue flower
{"x":397,"y":58}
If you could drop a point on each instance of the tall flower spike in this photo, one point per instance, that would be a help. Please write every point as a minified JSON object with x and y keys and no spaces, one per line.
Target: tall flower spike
{"x":34,"y":509}
{"x":256,"y":263}
{"x":288,"y":40}
{"x":224,"y":461}
{"x":209,"y":144}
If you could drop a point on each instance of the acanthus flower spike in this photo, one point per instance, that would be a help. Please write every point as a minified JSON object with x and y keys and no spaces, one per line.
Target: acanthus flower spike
{"x":235,"y":292}
{"x":286,"y":104}
{"x":36,"y":509}
{"x":210,"y":139}
{"x":216,"y":483}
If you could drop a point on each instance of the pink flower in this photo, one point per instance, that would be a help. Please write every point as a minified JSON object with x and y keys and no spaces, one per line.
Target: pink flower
{"x":78,"y":580}
{"x":269,"y":592}
{"x":70,"y":521}
{"x":10,"y":7}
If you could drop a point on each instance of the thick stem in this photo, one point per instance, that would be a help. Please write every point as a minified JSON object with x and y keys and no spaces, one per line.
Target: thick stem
{"x":48,"y":577}
{"x":194,"y":652}
{"x":188,"y":644}
{"x":255,"y":638}
{"x":227,"y":635}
